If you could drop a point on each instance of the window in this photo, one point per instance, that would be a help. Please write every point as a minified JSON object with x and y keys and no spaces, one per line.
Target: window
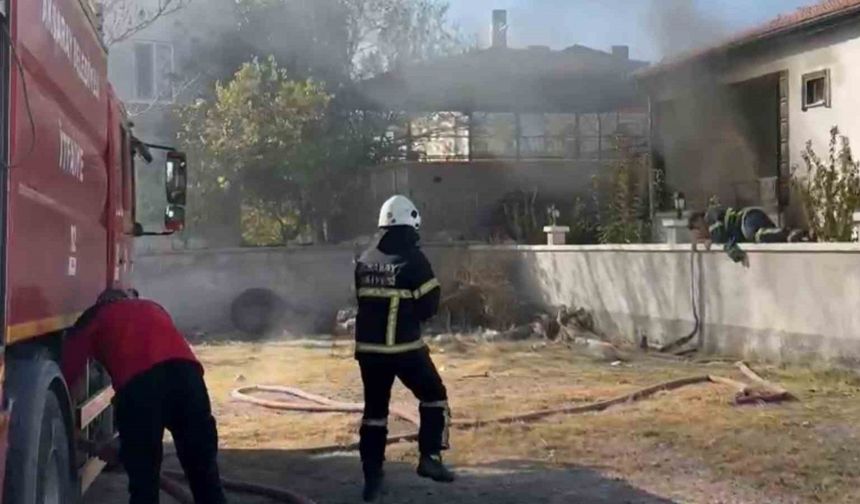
{"x":153,"y":71}
{"x":441,"y":136}
{"x":494,"y":135}
{"x":589,"y":136}
{"x":455,"y":136}
{"x":816,"y":89}
{"x":550,"y":136}
{"x":609,"y":146}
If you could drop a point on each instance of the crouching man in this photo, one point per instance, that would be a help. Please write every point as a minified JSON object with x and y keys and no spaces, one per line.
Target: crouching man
{"x":159,"y":385}
{"x":397,"y":291}
{"x":731,"y":227}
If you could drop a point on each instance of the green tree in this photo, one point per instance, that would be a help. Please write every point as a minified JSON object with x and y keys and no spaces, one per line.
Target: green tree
{"x":302,"y":182}
{"x":251,"y":144}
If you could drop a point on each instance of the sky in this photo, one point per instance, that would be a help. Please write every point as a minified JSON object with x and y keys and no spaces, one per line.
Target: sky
{"x":652,"y":28}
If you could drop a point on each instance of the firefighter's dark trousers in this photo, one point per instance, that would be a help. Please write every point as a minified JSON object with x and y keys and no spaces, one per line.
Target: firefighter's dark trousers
{"x":758,"y":228}
{"x":417,"y":372}
{"x":171,"y":395}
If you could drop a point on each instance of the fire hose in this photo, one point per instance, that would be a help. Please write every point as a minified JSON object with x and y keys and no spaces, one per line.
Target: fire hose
{"x":302,"y":401}
{"x":306,"y":402}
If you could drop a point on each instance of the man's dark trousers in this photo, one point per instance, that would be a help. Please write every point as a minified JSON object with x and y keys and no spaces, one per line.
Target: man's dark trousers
{"x":171,"y":396}
{"x":758,"y":228}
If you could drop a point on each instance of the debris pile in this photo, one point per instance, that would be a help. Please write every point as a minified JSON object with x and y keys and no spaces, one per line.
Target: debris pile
{"x":480,"y":295}
{"x":345,"y":322}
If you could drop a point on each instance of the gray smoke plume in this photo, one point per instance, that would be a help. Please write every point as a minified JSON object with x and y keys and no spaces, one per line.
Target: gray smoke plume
{"x":678,"y":26}
{"x":709,"y":130}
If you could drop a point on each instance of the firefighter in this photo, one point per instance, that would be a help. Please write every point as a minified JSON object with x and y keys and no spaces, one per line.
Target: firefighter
{"x":397,"y":291}
{"x":730,"y":227}
{"x":159,"y":384}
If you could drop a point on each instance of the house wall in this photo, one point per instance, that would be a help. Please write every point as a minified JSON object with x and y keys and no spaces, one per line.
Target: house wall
{"x":837,"y":50}
{"x":460,"y":199}
{"x":197,"y":23}
{"x":705,"y":149}
{"x":792,"y":303}
{"x":723,"y":154}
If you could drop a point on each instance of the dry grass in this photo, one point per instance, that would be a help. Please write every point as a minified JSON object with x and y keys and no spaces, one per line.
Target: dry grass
{"x":691,"y":445}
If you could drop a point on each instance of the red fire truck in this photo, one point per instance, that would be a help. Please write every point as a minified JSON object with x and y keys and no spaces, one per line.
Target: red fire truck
{"x":67,"y":199}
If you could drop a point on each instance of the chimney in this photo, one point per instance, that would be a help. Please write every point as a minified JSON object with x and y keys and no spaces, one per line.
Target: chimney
{"x":500,"y":29}
{"x":621,"y":52}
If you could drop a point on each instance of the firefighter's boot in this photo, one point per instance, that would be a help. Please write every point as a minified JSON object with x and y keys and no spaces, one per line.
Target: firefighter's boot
{"x":374,"y":433}
{"x":432,"y":467}
{"x":797,"y":235}
{"x":374,"y":480}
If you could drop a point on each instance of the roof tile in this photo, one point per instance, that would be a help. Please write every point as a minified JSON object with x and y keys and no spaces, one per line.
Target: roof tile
{"x":819,"y":11}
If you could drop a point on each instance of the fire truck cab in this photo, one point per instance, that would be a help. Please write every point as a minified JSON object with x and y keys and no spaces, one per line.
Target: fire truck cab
{"x":67,"y":222}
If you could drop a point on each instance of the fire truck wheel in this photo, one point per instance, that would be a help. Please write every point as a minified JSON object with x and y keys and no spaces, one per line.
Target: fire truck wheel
{"x":38,"y":468}
{"x":55,"y":485}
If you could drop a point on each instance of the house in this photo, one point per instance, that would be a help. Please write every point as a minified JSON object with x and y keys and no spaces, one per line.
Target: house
{"x":148,"y":69}
{"x":732,"y":121}
{"x":153,"y":70}
{"x":489,"y":122}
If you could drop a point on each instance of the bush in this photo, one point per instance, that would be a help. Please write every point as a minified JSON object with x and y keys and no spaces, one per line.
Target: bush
{"x":623,"y":214}
{"x":584,"y":228}
{"x":519,"y":214}
{"x":830,"y":189}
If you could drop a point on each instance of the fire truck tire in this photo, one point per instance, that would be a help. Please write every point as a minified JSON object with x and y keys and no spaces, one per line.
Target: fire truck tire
{"x":39,"y":467}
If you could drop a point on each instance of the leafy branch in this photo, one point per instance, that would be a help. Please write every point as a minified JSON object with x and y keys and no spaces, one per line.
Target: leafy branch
{"x":125,"y":18}
{"x":829,"y":189}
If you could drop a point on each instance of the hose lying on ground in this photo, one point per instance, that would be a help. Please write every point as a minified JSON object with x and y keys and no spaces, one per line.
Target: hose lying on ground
{"x":278,"y":494}
{"x":169,"y":481}
{"x":307,"y":402}
{"x":315,"y":403}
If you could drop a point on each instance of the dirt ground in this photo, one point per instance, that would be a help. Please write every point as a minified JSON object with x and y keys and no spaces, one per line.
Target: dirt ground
{"x":687,"y":446}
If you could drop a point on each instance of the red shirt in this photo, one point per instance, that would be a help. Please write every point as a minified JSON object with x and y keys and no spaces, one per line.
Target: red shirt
{"x":127,"y":337}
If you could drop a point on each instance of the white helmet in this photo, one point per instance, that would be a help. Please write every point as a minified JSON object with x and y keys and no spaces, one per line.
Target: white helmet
{"x":399,"y":211}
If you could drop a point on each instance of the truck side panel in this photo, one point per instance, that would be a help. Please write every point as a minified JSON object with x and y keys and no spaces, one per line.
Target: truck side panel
{"x":58,"y":189}
{"x":121,"y":181}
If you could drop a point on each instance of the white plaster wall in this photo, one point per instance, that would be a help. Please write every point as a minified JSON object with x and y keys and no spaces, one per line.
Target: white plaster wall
{"x":837,"y":50}
{"x":201,"y":20}
{"x":793,"y":302}
{"x":717,"y":159}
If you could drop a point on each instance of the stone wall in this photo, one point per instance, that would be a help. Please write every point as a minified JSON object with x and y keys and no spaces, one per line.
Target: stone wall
{"x":198,"y":287}
{"x":792,"y":303}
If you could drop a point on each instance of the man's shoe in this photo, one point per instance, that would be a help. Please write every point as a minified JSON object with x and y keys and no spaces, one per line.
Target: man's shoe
{"x":431,"y":466}
{"x":373,"y":486}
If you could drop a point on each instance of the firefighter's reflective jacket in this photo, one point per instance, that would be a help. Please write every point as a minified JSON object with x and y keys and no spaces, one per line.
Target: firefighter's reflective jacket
{"x":396,"y":290}
{"x":726,"y":226}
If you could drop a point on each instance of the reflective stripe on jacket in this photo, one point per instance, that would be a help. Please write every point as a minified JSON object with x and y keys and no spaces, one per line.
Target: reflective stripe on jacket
{"x":396,"y":291}
{"x":726,"y":226}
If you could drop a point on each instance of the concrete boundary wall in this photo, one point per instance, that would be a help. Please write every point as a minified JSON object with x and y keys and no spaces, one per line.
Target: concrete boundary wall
{"x":792,"y":302}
